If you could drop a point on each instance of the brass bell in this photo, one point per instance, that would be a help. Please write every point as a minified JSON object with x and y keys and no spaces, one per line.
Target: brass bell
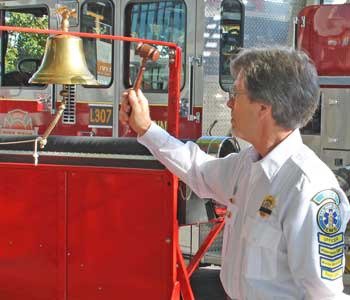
{"x":64,"y":62}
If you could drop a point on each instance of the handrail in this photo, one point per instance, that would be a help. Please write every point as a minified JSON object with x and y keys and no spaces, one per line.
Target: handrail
{"x":88,"y":35}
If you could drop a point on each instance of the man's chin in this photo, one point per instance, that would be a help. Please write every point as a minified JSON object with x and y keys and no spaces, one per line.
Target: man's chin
{"x":236,"y":133}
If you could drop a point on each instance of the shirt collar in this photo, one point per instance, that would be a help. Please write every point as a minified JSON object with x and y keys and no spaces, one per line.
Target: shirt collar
{"x":273,"y":161}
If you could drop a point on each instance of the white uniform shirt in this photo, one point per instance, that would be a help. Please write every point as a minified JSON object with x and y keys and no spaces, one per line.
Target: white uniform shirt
{"x":293,"y":249}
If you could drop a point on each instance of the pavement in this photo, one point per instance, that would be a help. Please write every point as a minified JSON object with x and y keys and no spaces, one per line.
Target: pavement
{"x":206,"y":285}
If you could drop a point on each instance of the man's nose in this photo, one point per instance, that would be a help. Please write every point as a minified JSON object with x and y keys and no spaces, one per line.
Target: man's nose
{"x":230,"y":102}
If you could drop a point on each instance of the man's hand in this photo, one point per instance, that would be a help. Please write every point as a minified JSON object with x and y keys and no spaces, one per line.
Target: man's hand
{"x":134,"y":111}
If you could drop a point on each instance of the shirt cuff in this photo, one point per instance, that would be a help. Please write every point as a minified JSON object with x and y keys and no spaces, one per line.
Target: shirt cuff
{"x":155,"y":137}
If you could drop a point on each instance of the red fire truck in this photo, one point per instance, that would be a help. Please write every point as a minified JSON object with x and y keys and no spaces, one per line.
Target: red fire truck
{"x":74,"y":226}
{"x":209,"y":32}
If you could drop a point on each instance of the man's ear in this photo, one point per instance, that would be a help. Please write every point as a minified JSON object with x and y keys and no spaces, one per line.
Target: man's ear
{"x":264,"y":110}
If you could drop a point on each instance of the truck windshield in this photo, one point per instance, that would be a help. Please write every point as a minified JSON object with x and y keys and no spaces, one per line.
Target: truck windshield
{"x":22,"y":52}
{"x":163,"y":21}
{"x":96,"y":17}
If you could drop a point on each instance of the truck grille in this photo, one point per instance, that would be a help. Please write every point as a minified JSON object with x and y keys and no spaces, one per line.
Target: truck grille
{"x":69,"y":114}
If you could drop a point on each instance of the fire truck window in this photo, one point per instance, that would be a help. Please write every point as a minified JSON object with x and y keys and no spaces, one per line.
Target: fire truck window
{"x":163,"y":21}
{"x":22,"y":52}
{"x":231,"y":38}
{"x":97,"y":17}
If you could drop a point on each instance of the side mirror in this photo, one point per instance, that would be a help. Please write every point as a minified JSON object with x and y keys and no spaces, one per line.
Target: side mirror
{"x":231,"y":38}
{"x":28,"y":65}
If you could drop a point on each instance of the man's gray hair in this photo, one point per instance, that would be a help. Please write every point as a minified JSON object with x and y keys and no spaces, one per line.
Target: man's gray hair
{"x":284,"y":78}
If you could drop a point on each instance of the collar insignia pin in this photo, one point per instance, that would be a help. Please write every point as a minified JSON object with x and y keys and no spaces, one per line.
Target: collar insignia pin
{"x":267,"y":205}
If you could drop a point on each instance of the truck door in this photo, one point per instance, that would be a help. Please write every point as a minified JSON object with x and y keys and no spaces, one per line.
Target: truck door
{"x":22,"y":104}
{"x":323,"y":33}
{"x":181,"y":22}
{"x":96,"y":105}
{"x":223,"y":38}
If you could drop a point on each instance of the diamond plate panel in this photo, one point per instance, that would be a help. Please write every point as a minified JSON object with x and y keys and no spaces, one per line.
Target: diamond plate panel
{"x":266,"y":23}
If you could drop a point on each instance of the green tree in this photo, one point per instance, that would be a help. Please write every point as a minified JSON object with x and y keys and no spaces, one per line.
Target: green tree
{"x":24,"y":45}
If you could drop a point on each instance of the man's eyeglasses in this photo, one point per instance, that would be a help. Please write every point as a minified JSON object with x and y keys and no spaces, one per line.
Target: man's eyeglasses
{"x":235,"y":93}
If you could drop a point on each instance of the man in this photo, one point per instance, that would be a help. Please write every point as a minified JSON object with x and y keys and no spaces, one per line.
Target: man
{"x":286,"y":214}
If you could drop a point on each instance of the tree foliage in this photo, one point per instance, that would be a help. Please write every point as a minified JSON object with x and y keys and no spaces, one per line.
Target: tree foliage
{"x":24,"y":45}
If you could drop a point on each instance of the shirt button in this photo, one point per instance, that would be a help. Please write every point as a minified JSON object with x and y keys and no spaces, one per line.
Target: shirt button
{"x":232,"y":200}
{"x":229,"y":214}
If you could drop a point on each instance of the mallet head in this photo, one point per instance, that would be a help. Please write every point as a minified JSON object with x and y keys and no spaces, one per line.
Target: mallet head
{"x":147,"y":51}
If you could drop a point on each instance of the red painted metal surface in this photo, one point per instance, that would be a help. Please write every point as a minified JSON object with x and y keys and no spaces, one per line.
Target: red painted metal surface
{"x":71,"y":233}
{"x":174,"y":93}
{"x":326,"y":37}
{"x":32,"y":233}
{"x":184,"y":279}
{"x":176,"y":291}
{"x":205,"y":246}
{"x":29,"y":106}
{"x":40,"y":118}
{"x":187,"y":129}
{"x":75,"y":231}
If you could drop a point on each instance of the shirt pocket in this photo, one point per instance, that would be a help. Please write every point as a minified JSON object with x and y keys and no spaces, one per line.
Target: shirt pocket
{"x":261,"y":256}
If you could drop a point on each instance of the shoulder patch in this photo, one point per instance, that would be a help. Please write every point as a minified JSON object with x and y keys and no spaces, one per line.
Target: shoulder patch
{"x":328,"y":218}
{"x":331,"y":240}
{"x":331,"y":275}
{"x":322,"y":196}
{"x":331,"y":264}
{"x":331,"y":252}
